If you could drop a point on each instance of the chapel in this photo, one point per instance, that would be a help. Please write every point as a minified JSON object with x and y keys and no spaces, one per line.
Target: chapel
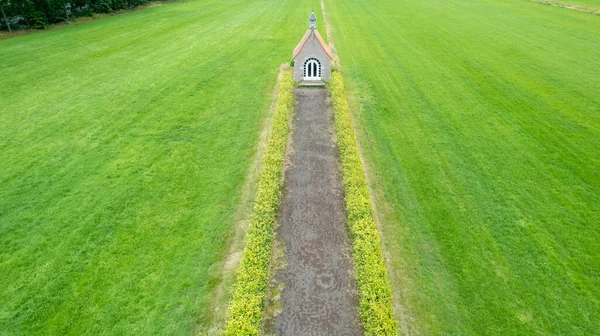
{"x":312,"y":56}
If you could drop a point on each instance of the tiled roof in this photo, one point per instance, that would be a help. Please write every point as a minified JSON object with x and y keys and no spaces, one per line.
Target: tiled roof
{"x":302,"y":43}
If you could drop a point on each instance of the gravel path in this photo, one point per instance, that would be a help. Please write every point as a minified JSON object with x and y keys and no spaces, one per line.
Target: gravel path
{"x":319,"y":297}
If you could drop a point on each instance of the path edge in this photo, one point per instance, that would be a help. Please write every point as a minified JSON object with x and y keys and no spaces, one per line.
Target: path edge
{"x":579,"y":8}
{"x":374,"y":288}
{"x":245,"y":310}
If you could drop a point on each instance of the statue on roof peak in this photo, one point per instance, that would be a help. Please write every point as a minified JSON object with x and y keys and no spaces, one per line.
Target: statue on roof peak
{"x":312,"y":21}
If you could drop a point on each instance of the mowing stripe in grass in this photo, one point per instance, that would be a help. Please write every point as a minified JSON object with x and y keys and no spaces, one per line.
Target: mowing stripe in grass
{"x":246,"y":306}
{"x":375,"y":295}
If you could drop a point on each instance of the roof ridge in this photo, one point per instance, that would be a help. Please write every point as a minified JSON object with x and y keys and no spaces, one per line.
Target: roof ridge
{"x":302,"y":43}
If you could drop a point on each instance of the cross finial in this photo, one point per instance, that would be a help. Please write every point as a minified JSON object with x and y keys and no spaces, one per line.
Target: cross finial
{"x":312,"y":21}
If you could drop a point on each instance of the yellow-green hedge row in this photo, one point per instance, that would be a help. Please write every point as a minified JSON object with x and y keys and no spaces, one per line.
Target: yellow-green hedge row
{"x":375,"y":295}
{"x":244,"y":315}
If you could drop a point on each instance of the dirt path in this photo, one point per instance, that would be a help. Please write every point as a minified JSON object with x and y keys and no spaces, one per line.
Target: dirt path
{"x":319,"y":297}
{"x":569,"y":6}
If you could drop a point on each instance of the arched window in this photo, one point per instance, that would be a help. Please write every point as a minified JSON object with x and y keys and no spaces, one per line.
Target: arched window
{"x":312,"y":69}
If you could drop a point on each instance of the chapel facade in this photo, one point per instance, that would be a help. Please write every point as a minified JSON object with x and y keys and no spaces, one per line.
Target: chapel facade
{"x":312,"y":56}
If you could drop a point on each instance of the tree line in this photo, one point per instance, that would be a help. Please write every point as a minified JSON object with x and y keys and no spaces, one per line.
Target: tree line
{"x":23,"y":14}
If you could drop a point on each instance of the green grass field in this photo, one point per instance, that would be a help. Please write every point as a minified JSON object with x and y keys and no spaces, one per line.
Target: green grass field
{"x":124,"y":143}
{"x":480,"y":121}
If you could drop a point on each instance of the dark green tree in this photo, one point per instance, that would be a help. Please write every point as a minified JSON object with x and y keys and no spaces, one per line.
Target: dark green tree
{"x":2,"y":5}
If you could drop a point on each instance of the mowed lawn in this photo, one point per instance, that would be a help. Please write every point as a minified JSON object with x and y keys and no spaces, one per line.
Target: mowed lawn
{"x":480,"y":122}
{"x":124,"y":143}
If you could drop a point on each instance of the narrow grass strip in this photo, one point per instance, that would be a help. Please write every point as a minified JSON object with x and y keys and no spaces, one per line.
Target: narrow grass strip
{"x":244,"y":316}
{"x":375,"y":295}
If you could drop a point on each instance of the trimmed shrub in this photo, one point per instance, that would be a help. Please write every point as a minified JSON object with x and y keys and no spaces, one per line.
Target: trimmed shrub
{"x":244,"y":315}
{"x":374,"y":291}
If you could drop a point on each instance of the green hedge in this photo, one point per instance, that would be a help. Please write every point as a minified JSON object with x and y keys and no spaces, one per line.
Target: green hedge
{"x":373,"y":286}
{"x":244,"y":315}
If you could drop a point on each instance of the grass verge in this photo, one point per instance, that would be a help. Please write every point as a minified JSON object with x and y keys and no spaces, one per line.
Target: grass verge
{"x":245,"y":308}
{"x":373,"y":286}
{"x":226,"y":270}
